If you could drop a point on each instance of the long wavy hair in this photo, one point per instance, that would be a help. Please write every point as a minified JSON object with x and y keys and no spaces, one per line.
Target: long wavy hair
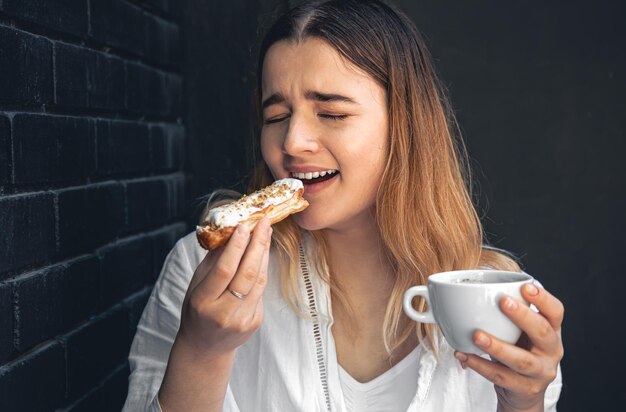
{"x":424,"y":209}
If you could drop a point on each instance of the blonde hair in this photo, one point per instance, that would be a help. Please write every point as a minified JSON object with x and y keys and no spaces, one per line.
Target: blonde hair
{"x":424,"y":210}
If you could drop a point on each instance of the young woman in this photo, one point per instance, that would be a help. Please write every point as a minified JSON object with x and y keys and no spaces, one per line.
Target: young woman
{"x":316,"y":323}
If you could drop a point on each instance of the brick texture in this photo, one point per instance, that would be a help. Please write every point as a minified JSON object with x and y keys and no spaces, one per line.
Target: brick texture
{"x":162,"y":241}
{"x":92,"y":184}
{"x":148,"y":89}
{"x":123,"y":147}
{"x":53,"y":300}
{"x":168,"y":7}
{"x":124,"y":25}
{"x":69,"y":16}
{"x":167,"y":142}
{"x":135,"y":305}
{"x":5,"y":131}
{"x":34,"y":382}
{"x":6,"y":321}
{"x":86,"y":78}
{"x":28,"y":234}
{"x":89,"y":216}
{"x":126,"y":267}
{"x":49,"y":149}
{"x":108,"y":396}
{"x":25,"y":63}
{"x":95,"y":349}
{"x":148,"y":203}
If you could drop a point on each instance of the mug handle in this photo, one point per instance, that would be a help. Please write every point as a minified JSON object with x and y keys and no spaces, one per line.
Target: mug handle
{"x":423,"y":317}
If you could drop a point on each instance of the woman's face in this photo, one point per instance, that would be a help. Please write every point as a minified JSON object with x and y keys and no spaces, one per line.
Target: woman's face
{"x":323,"y":116}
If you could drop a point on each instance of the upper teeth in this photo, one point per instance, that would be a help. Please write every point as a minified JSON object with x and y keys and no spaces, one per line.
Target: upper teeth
{"x":312,"y":175}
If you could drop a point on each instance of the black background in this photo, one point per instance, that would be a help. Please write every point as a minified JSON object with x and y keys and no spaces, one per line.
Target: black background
{"x":539,"y":90}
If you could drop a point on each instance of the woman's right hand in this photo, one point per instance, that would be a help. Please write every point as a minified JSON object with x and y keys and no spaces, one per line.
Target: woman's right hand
{"x":213,"y":319}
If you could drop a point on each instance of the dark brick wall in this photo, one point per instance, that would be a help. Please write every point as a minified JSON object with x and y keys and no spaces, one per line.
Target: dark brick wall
{"x":92,"y":191}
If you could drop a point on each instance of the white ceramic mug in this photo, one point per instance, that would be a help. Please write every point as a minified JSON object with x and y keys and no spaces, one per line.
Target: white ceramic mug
{"x":463,"y":301}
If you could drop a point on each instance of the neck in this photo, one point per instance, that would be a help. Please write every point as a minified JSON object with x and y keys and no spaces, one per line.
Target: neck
{"x":357,"y":258}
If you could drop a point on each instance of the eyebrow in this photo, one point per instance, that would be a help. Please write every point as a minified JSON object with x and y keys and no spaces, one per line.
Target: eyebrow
{"x":309,"y":95}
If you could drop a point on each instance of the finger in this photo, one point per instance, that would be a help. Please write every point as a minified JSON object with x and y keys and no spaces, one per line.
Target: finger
{"x":250,"y":264}
{"x":496,"y":373}
{"x":539,"y":330}
{"x":516,"y":358}
{"x":253,"y":300}
{"x":226,"y":265}
{"x":204,"y":268}
{"x":548,"y":305}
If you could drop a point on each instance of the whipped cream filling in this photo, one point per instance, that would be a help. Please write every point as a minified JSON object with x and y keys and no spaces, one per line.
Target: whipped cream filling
{"x":231,"y":214}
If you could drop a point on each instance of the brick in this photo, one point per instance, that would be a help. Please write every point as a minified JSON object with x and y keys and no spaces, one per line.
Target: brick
{"x":126,"y":268}
{"x":166,"y":7}
{"x":89,"y":216}
{"x":123,"y":147}
{"x":5,"y":131}
{"x":50,"y":149}
{"x":149,"y":204}
{"x":152,"y":91}
{"x":6,"y":321}
{"x":125,"y":26}
{"x":118,"y":24}
{"x":95,"y":349}
{"x":42,"y":372}
{"x":86,"y":78}
{"x":72,"y":66}
{"x":53,"y":300}
{"x":177,"y":196}
{"x":163,"y":40}
{"x":161,"y":5}
{"x":167,"y":142}
{"x":68,"y":16}
{"x":109,"y":396}
{"x":26,"y":67}
{"x":28,"y":230}
{"x":136,"y":304}
{"x":162,"y":242}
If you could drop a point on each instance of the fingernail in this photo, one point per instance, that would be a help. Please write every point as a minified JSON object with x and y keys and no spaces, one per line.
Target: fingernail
{"x":263,"y":224}
{"x":482,"y":340}
{"x":460,"y":356}
{"x":463,"y":365}
{"x":510,"y":304}
{"x":532,"y":290}
{"x":243,"y":230}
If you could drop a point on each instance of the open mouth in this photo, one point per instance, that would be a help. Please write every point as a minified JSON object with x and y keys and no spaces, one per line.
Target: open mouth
{"x":312,"y":178}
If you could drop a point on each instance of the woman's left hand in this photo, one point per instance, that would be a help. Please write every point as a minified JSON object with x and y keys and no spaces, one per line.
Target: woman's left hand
{"x":521,"y":373}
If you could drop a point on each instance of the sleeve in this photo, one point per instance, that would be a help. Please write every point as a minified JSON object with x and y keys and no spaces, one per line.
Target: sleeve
{"x":553,"y":392}
{"x":156,"y":332}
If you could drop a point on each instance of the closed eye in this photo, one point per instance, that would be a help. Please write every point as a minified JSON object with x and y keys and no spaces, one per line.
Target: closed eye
{"x":277,"y":120}
{"x":333,"y":116}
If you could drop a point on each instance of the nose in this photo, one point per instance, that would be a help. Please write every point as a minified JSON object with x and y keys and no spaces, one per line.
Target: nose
{"x":300,"y":137}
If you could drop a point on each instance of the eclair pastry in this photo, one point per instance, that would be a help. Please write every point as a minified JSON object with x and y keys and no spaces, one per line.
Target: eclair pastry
{"x":276,"y":201}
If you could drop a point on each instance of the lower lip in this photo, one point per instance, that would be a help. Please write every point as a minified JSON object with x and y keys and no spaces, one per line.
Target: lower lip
{"x":310,"y":188}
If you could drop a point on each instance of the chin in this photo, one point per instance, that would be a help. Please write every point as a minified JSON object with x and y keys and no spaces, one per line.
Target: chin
{"x":308,"y":221}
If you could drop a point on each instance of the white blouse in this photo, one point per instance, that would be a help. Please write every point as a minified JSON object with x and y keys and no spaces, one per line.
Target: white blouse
{"x":390,"y":392}
{"x":290,"y":363}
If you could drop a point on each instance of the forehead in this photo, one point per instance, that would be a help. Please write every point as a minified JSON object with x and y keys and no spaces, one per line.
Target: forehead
{"x":311,"y":64}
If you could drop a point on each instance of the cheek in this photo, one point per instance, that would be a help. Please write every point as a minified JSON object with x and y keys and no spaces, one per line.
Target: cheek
{"x":271,"y":153}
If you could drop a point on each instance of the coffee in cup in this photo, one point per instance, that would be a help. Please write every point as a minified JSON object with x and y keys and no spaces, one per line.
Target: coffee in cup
{"x":462,"y":301}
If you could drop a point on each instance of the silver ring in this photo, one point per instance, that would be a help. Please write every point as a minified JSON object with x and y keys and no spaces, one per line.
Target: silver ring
{"x":238,"y":295}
